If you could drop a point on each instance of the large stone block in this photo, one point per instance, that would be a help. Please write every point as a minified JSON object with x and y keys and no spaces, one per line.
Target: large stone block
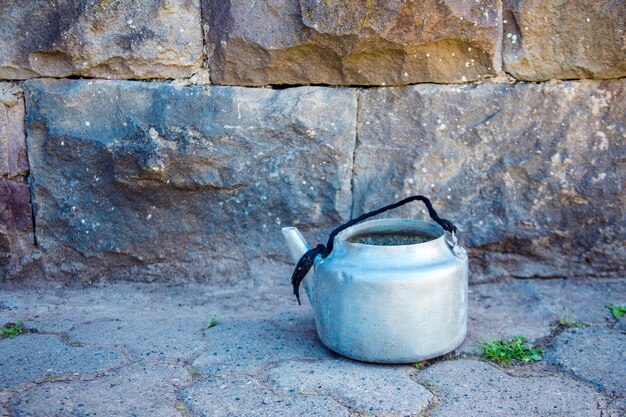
{"x":139,"y":389}
{"x":365,"y":388}
{"x":531,"y":173}
{"x":148,"y":181}
{"x":16,"y":223}
{"x":474,"y":388}
{"x":105,"y":38}
{"x":13,"y":158}
{"x":240,"y":395}
{"x":545,"y":39}
{"x":361,"y":43}
{"x":593,"y":355}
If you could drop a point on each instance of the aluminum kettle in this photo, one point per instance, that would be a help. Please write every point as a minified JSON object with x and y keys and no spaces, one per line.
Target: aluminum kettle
{"x":398,"y":303}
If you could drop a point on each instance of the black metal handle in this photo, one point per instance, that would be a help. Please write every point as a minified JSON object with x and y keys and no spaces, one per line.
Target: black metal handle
{"x":306,"y":261}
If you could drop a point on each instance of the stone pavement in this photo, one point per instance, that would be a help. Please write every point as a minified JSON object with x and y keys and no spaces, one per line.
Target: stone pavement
{"x":145,"y":350}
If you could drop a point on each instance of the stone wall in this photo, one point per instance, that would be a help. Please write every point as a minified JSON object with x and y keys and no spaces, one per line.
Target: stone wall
{"x":172,"y":139}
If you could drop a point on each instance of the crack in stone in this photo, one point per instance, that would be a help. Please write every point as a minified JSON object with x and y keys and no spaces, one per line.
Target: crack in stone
{"x":62,"y":378}
{"x":265,"y":367}
{"x":28,"y":173}
{"x":258,"y":379}
{"x":84,"y":378}
{"x":180,"y":406}
{"x":550,"y":372}
{"x":275,"y":364}
{"x":354,"y":150}
{"x":435,"y":402}
{"x":257,"y":376}
{"x":546,"y":343}
{"x":63,"y":335}
{"x":540,"y":369}
{"x":204,"y":28}
{"x":88,"y":322}
{"x":504,"y":77}
{"x":193,"y":372}
{"x":494,"y":280}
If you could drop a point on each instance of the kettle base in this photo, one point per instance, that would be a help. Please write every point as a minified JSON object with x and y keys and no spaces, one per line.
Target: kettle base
{"x":397,"y":358}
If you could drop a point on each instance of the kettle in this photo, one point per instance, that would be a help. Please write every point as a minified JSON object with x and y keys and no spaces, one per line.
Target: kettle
{"x":386,"y":290}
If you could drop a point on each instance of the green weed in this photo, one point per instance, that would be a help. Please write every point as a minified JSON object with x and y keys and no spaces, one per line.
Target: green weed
{"x":418,"y":365}
{"x":507,"y":351}
{"x":617,"y":311}
{"x":567,"y":321}
{"x":212,"y":322}
{"x":10,"y":330}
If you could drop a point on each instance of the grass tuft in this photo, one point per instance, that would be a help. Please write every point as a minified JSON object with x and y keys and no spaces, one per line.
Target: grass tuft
{"x":507,"y":351}
{"x":418,"y":365}
{"x":212,"y":323}
{"x":566,"y":321}
{"x":10,"y":330}
{"x":617,"y":311}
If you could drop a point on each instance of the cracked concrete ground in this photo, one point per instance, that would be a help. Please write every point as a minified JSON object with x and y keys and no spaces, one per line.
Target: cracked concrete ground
{"x":145,"y":350}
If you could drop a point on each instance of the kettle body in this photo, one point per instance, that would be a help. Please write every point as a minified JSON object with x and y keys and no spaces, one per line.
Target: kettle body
{"x":391,"y":302}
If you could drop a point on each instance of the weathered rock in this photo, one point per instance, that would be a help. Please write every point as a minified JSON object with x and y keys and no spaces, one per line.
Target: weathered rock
{"x":362,"y":43}
{"x":152,"y":392}
{"x":531,"y":173}
{"x":472,"y":388}
{"x":16,"y":223}
{"x":241,"y":395}
{"x":13,"y":158}
{"x":15,"y":211}
{"x":35,"y":357}
{"x":106,"y":38}
{"x":564,"y":39}
{"x":596,"y":355}
{"x":365,"y":388}
{"x":10,"y":93}
{"x":16,"y":226}
{"x":146,"y":181}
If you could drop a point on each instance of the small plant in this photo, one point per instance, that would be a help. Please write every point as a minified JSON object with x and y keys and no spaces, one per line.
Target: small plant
{"x":506,"y":351}
{"x":617,"y":311}
{"x":566,"y":321}
{"x":10,"y":330}
{"x":418,"y":365}
{"x":301,"y":390}
{"x":212,"y":322}
{"x":431,"y":384}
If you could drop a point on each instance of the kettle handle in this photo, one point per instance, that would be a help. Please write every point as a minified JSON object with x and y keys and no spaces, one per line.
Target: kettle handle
{"x":306,"y":261}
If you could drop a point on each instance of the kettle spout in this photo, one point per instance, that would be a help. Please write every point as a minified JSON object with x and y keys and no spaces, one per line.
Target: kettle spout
{"x":298,"y":246}
{"x":295,"y":242}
